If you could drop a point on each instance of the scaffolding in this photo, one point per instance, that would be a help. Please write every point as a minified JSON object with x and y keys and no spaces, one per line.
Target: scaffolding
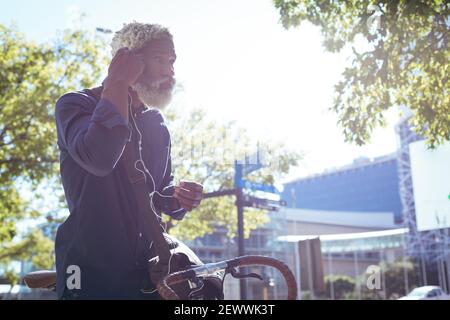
{"x":428,"y":247}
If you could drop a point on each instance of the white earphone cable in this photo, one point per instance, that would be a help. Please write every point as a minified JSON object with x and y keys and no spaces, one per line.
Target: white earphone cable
{"x":146,"y":171}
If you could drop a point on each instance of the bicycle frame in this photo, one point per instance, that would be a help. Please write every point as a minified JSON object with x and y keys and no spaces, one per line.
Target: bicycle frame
{"x":166,"y":292}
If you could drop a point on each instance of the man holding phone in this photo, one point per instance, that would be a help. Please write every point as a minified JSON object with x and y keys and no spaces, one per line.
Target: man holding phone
{"x":102,"y":236}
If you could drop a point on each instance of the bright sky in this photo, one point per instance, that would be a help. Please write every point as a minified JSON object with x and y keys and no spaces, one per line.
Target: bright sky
{"x":236,"y":61}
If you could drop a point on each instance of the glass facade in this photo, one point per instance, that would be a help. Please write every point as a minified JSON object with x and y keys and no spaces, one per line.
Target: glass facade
{"x":369,"y":187}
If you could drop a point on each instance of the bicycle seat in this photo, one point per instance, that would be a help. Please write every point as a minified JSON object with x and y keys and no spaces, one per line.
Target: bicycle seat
{"x":40,"y":279}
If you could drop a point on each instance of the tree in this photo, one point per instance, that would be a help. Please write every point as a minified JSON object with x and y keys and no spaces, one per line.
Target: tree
{"x":341,"y":285}
{"x":205,"y":151}
{"x":393,"y":275}
{"x":35,"y":247}
{"x":406,"y":63}
{"x":32,"y":77}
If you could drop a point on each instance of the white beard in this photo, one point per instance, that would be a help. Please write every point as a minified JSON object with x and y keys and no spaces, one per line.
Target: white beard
{"x":151,"y":95}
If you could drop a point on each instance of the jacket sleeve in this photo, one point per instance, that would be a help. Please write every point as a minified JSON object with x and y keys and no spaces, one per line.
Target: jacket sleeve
{"x":94,"y":139}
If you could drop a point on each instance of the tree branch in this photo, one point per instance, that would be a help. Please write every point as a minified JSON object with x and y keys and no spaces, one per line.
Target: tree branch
{"x":21,"y":160}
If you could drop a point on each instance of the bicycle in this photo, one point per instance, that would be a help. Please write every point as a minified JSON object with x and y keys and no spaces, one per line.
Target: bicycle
{"x":195,"y":276}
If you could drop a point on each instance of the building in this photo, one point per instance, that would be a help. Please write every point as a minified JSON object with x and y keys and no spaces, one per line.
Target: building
{"x":350,"y":243}
{"x":365,"y":186}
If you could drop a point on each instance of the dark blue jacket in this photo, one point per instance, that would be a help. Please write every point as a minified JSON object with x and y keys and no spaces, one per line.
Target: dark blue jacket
{"x":102,"y":235}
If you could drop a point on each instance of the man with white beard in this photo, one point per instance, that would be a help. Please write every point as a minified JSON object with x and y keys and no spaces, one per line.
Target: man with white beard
{"x":102,"y":239}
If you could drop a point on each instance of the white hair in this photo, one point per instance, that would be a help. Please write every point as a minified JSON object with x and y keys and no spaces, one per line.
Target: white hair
{"x":136,"y":35}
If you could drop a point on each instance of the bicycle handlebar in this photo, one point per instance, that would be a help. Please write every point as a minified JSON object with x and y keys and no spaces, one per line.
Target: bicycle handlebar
{"x":167,"y":293}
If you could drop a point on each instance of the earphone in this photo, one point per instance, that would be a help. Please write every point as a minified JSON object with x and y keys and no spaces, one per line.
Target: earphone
{"x":146,"y":172}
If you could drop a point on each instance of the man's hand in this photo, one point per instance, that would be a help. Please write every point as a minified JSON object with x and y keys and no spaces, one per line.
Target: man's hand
{"x":126,"y":67}
{"x":189,"y":194}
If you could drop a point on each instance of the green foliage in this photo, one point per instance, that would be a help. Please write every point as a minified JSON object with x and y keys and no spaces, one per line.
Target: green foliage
{"x":306,"y":295}
{"x":406,"y":63}
{"x":32,"y":77}
{"x":393,"y":285}
{"x":10,"y":211}
{"x":205,"y":151}
{"x":394,"y":274}
{"x":35,"y":247}
{"x":342,"y":285}
{"x":394,"y":278}
{"x":11,"y":277}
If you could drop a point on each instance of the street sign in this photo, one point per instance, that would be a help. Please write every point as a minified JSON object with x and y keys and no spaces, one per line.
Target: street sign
{"x":245,"y":167}
{"x":257,"y":186}
{"x":260,"y":203}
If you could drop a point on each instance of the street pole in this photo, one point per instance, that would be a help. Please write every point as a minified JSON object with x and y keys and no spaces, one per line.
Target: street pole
{"x":240,"y":218}
{"x":298,"y":270}
{"x":241,"y":248}
{"x":330,"y":273}
{"x":240,"y":170}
